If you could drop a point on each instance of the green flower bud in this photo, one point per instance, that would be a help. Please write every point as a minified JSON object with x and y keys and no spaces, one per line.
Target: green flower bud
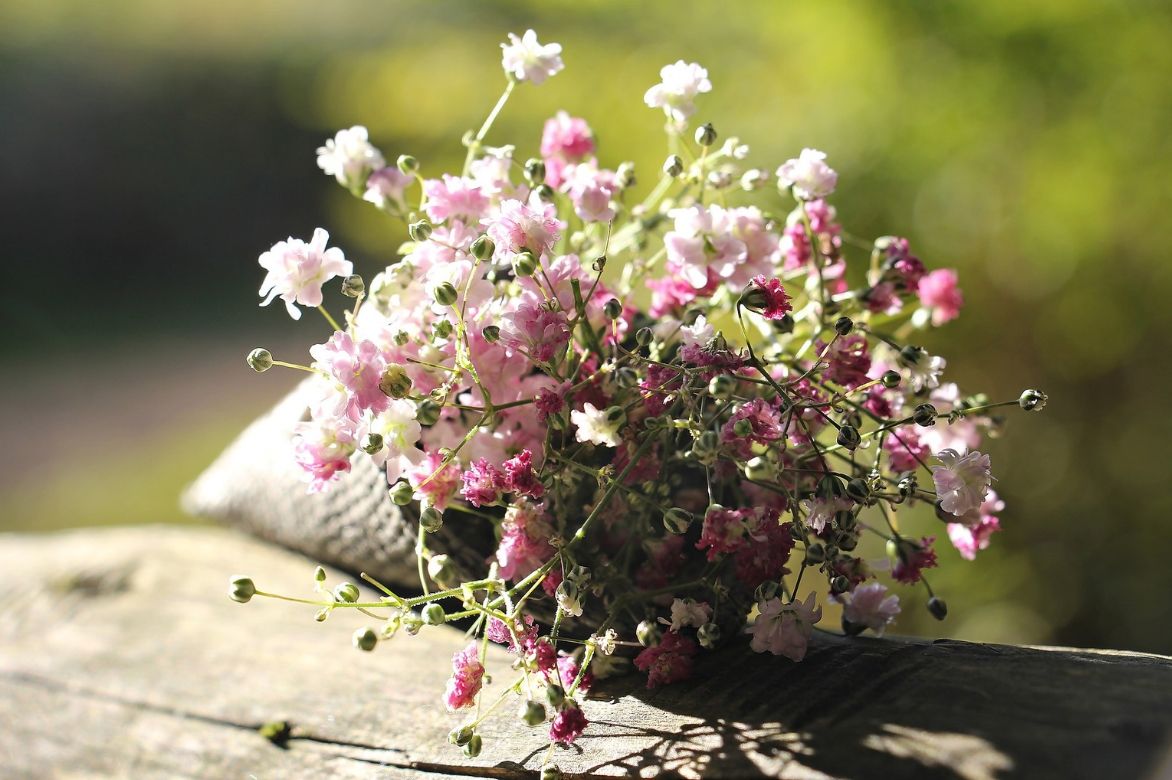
{"x":938,"y":607}
{"x":483,"y":248}
{"x":709,"y":635}
{"x":849,"y":437}
{"x":491,"y":333}
{"x":402,"y":493}
{"x":1033,"y":400}
{"x":785,"y":324}
{"x":259,"y":360}
{"x":722,"y":386}
{"x":759,"y":468}
{"x":766,"y":591}
{"x":612,"y":309}
{"x":445,"y":294}
{"x":321,"y":615}
{"x":365,"y":639}
{"x":555,"y":695}
{"x":743,"y":428}
{"x":372,"y":443}
{"x":891,"y":379}
{"x":706,"y":134}
{"x":319,"y":574}
{"x":643,"y":336}
{"x":616,"y":416}
{"x":532,"y":713}
{"x":858,"y":490}
{"x":847,"y":541}
{"x":353,"y":286}
{"x":461,"y":736}
{"x":419,"y":231}
{"x":431,"y":520}
{"x":626,"y":175}
{"x":535,"y":171}
{"x":442,"y":329}
{"x":924,"y":415}
{"x":673,"y":166}
{"x":524,"y":264}
{"x":677,"y":520}
{"x":840,"y":584}
{"x":543,"y":192}
{"x":433,"y":615}
{"x":243,"y":589}
{"x":705,"y":447}
{"x":472,"y":749}
{"x":395,"y":381}
{"x":441,"y":571}
{"x":815,"y":553}
{"x":551,"y":772}
{"x":911,"y":356}
{"x":408,"y":165}
{"x":347,"y":592}
{"x":427,"y":412}
{"x":648,"y":633}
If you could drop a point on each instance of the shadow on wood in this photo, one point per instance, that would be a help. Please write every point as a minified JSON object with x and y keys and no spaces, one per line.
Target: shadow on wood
{"x":123,"y":657}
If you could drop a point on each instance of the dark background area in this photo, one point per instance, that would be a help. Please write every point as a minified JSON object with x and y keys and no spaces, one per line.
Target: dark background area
{"x":151,"y":151}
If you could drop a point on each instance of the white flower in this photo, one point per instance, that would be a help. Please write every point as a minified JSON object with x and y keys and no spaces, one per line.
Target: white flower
{"x":297,"y":271}
{"x":925,"y":371}
{"x":688,"y":612}
{"x":595,"y":426}
{"x":677,"y":90}
{"x":400,"y":431}
{"x":869,"y":606}
{"x":349,"y":157}
{"x":527,"y":60}
{"x":962,"y":481}
{"x":698,"y":333}
{"x":821,"y":511}
{"x":784,"y":629}
{"x":808,"y":174}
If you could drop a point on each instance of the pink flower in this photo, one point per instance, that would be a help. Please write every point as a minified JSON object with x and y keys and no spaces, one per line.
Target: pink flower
{"x":568,"y":672}
{"x":525,"y":630}
{"x":549,"y":401}
{"x":869,"y":606}
{"x":770,"y":297}
{"x":765,"y":552}
{"x":439,"y":488}
{"x":466,"y":680}
{"x":483,"y":484}
{"x":590,"y":190}
{"x":524,"y":544}
{"x":808,"y":175}
{"x":567,"y":137}
{"x":763,"y":423}
{"x":907,"y":269}
{"x":676,"y":92}
{"x":913,"y":559}
{"x":322,"y":448}
{"x":688,"y":612}
{"x":973,"y":533}
{"x":848,"y":360}
{"x":358,"y":367}
{"x":905,"y":451}
{"x":723,"y":530}
{"x":820,"y":511}
{"x":669,"y":661}
{"x":532,"y":329}
{"x":702,"y":244}
{"x":454,"y":198}
{"x":785,"y":629}
{"x":939,"y":293}
{"x":526,"y":59}
{"x":517,"y":227}
{"x":962,"y":481}
{"x":385,"y":187}
{"x":568,"y":724}
{"x":520,"y":476}
{"x":297,"y":271}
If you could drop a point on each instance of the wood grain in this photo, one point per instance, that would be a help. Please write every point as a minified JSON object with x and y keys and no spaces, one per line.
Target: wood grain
{"x":120,"y":656}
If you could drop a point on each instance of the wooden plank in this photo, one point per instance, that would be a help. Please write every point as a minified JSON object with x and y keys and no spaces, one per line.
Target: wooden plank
{"x":120,"y":656}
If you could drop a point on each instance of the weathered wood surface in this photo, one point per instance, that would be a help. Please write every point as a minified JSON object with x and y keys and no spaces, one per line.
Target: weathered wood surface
{"x":121,"y":656}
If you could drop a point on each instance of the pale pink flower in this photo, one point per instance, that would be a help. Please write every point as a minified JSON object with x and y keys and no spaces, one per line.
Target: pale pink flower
{"x":698,"y":334}
{"x":435,"y":490}
{"x":400,"y":431}
{"x":972,"y":533}
{"x":358,"y":367}
{"x":483,"y":483}
{"x":962,"y":481}
{"x":820,"y":511}
{"x":533,"y":329}
{"x":525,"y":59}
{"x":870,"y":606}
{"x":567,"y":137}
{"x":297,"y":271}
{"x":518,"y":226}
{"x":905,"y":451}
{"x":385,"y":187}
{"x":323,"y":448}
{"x":762,"y":245}
{"x":785,"y":629}
{"x":676,"y":92}
{"x":702,"y":242}
{"x":808,"y":175}
{"x":688,"y":612}
{"x":349,"y":157}
{"x":451,"y":197}
{"x":466,"y":680}
{"x":524,"y":544}
{"x":940,"y":295}
{"x":590,"y":190}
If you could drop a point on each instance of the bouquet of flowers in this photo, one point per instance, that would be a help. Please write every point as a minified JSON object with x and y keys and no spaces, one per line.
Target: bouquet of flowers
{"x":673,"y":414}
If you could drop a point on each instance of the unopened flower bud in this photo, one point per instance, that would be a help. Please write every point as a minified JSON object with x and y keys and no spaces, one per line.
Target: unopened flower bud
{"x":441,"y":571}
{"x":924,"y":415}
{"x":722,"y":386}
{"x":427,"y":412}
{"x":709,"y":635}
{"x":616,"y":416}
{"x":938,"y":607}
{"x":673,"y":166}
{"x":612,"y":309}
{"x":347,"y":592}
{"x":743,"y":428}
{"x":365,"y":639}
{"x":319,"y":574}
{"x":461,"y":736}
{"x":543,"y":192}
{"x":445,"y":294}
{"x":840,"y":584}
{"x":353,"y":286}
{"x":754,"y":179}
{"x":482,"y":248}
{"x":472,"y":749}
{"x":535,"y":171}
{"x":890,"y":379}
{"x":431,"y":520}
{"x":532,"y":713}
{"x":551,"y":772}
{"x":491,"y":333}
{"x":243,"y":589}
{"x":858,"y":490}
{"x":626,"y":175}
{"x":706,"y":134}
{"x":815,"y":553}
{"x":677,"y":520}
{"x":849,"y":437}
{"x":759,"y":469}
{"x":524,"y":264}
{"x":555,"y":695}
{"x":372,"y":443}
{"x":260,"y":360}
{"x":568,"y":597}
{"x":433,"y":615}
{"x":647,"y":632}
{"x":321,"y":615}
{"x":1033,"y":400}
{"x":911,"y":356}
{"x":402,"y":493}
{"x":843,"y":325}
{"x":408,"y":165}
{"x":766,"y":591}
{"x":705,"y":447}
{"x":395,"y":381}
{"x":643,"y":336}
{"x":908,"y":485}
{"x":419,"y":231}
{"x":785,"y":324}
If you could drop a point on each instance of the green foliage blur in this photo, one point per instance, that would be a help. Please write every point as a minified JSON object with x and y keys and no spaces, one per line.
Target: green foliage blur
{"x":152,"y":150}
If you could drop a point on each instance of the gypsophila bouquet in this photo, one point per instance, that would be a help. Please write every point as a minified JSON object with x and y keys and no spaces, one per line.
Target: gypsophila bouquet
{"x":669,"y":413}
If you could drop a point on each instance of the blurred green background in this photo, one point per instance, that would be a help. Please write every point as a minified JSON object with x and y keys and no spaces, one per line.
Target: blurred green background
{"x":151,"y":150}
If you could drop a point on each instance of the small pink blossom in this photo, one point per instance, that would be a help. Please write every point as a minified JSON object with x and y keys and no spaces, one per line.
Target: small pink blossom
{"x":962,"y":481}
{"x":688,"y":612}
{"x":669,"y":661}
{"x":524,"y":544}
{"x":808,"y":175}
{"x":568,"y":724}
{"x":764,"y":427}
{"x":770,"y":297}
{"x":358,"y":367}
{"x":566,"y":137}
{"x":870,"y":606}
{"x":913,"y":559}
{"x":518,"y":226}
{"x":385,"y":187}
{"x":820,"y":511}
{"x":526,"y":59}
{"x":785,"y":629}
{"x":297,"y":271}
{"x":525,"y":630}
{"x":940,"y":295}
{"x":452,"y":197}
{"x":723,"y":530}
{"x":906,"y":268}
{"x":533,"y":329}
{"x":972,"y":534}
{"x":323,"y":448}
{"x":439,"y":488}
{"x":568,"y":672}
{"x":483,"y":483}
{"x":905,"y":451}
{"x":848,"y":360}
{"x":766,"y":550}
{"x":550,"y":401}
{"x":521,"y":477}
{"x":466,"y":680}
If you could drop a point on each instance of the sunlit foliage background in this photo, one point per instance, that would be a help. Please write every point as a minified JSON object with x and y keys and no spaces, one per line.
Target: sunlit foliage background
{"x":151,"y":150}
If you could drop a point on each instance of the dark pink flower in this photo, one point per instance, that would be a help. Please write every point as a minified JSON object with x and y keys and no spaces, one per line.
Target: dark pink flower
{"x":770,"y":297}
{"x":520,"y":476}
{"x":913,"y":559}
{"x":724,"y":530}
{"x":567,"y":137}
{"x":669,"y":661}
{"x":765,"y":554}
{"x":764,"y":427}
{"x":483,"y":483}
{"x":550,"y":401}
{"x":568,"y":724}
{"x":848,"y":360}
{"x":568,"y":672}
{"x":905,"y":452}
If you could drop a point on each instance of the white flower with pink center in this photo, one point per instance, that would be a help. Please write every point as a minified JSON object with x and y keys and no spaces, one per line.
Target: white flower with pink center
{"x":518,"y":226}
{"x":349,"y":157}
{"x":820,"y":512}
{"x":808,"y":174}
{"x":699,"y":333}
{"x":678,"y":86}
{"x":784,"y":629}
{"x":962,"y":481}
{"x":870,"y":606}
{"x":526,"y":59}
{"x":297,"y":271}
{"x":322,"y":448}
